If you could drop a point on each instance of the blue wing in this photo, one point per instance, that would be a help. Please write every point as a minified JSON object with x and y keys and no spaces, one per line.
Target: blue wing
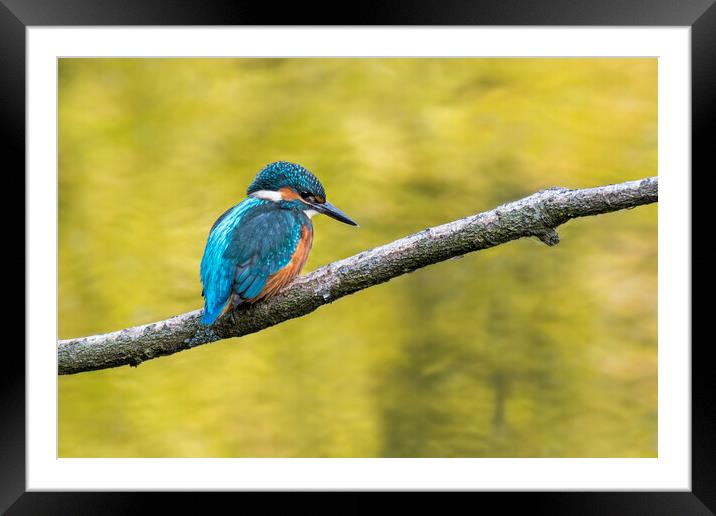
{"x":249,"y":243}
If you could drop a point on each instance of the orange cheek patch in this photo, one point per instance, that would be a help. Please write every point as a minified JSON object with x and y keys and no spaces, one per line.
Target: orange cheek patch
{"x":288,"y":194}
{"x":292,"y":269}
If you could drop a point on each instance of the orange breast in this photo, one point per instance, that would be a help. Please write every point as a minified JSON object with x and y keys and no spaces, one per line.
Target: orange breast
{"x":283,"y":277}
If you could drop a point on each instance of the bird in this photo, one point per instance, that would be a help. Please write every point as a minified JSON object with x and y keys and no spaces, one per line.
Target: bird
{"x":260,"y":245}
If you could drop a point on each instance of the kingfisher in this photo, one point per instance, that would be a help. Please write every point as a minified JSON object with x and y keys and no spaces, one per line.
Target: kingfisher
{"x":257,"y":247}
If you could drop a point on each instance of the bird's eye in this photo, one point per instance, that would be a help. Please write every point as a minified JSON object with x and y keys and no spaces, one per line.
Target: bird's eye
{"x":306,"y":196}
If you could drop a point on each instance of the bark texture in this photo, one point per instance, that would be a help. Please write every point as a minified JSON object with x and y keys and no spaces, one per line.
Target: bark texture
{"x":535,"y":216}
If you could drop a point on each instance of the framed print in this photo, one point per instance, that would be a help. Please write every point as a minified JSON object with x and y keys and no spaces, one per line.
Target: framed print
{"x":184,"y":163}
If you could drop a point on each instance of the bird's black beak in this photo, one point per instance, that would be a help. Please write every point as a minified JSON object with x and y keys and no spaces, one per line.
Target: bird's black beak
{"x":333,"y":212}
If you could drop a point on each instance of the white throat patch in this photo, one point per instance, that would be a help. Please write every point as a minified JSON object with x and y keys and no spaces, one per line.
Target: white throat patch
{"x":268,"y":195}
{"x":310,"y":213}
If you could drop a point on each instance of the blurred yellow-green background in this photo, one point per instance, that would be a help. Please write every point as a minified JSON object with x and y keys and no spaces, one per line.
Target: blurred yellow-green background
{"x":518,"y":351}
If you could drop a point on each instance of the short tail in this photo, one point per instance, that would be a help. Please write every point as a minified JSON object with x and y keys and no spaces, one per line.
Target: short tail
{"x":209,"y":317}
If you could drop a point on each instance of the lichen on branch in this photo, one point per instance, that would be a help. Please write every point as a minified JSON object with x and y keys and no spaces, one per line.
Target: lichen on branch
{"x":537,"y":215}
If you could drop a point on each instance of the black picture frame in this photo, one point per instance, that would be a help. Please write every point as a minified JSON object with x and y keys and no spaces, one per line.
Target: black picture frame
{"x":17,"y":15}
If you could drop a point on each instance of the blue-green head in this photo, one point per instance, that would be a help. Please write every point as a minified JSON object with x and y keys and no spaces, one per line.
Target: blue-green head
{"x":295,"y":187}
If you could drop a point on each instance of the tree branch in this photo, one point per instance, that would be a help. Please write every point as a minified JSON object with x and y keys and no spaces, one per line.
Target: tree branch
{"x":537,"y":215}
